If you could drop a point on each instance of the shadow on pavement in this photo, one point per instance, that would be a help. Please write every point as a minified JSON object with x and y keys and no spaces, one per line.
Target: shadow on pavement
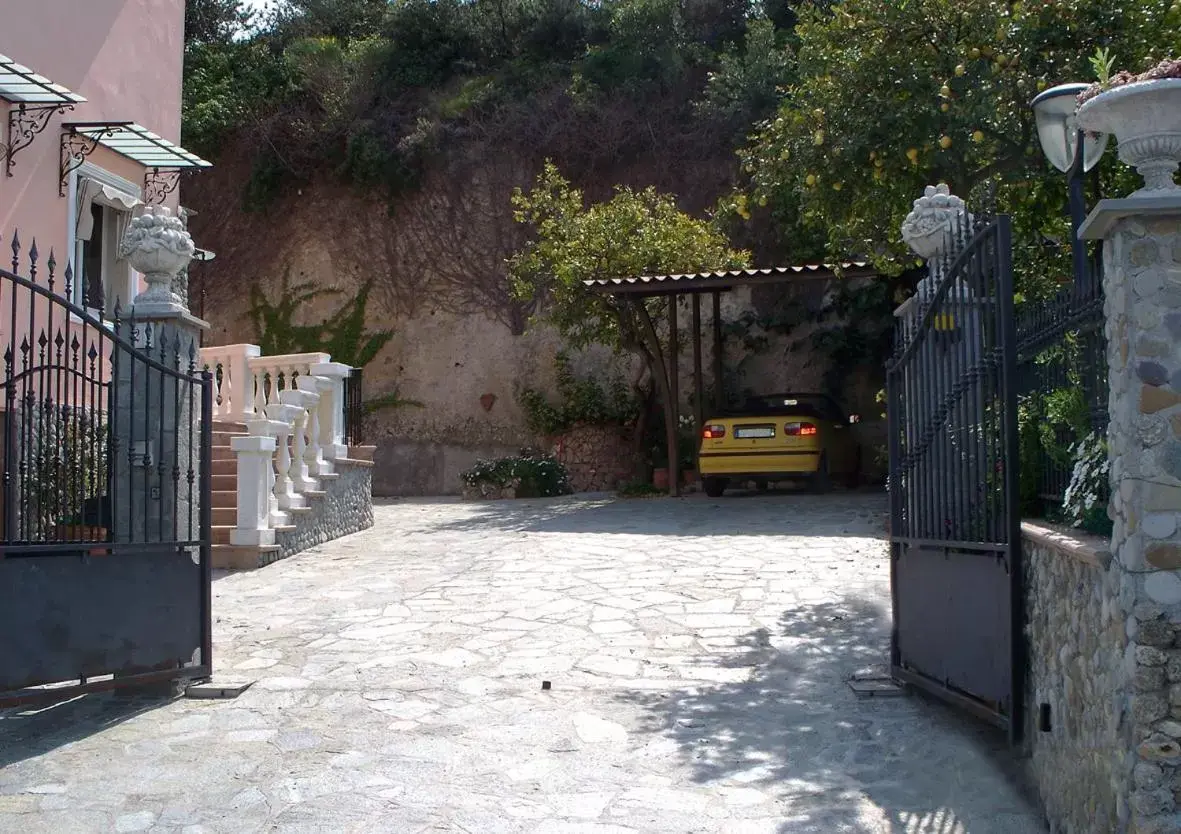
{"x":742,"y":514}
{"x":33,"y":730}
{"x":836,"y":763}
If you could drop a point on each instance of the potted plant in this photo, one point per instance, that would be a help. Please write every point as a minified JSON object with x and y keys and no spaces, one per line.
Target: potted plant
{"x":1144,"y":113}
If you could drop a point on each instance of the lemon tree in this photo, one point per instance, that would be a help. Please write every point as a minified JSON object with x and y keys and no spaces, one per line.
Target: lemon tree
{"x":892,"y":95}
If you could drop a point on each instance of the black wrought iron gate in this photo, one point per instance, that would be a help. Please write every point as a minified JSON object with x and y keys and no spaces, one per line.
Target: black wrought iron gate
{"x":954,"y":528}
{"x":105,"y":539}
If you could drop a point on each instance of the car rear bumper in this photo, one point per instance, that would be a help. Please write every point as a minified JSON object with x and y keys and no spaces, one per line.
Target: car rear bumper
{"x":791,"y":464}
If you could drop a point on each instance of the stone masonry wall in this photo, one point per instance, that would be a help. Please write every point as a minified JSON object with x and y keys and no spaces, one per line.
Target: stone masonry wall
{"x":597,"y":458}
{"x":346,"y":507}
{"x":1076,"y":639}
{"x":1142,"y":281}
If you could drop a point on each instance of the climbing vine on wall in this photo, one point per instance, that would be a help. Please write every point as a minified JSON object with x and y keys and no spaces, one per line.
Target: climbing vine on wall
{"x":342,"y":335}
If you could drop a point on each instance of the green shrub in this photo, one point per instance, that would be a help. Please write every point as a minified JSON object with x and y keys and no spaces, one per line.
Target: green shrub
{"x":582,"y":401}
{"x":533,"y":475}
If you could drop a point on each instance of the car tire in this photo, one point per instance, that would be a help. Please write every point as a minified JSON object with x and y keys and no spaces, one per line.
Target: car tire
{"x":821,"y":482}
{"x":714,"y":487}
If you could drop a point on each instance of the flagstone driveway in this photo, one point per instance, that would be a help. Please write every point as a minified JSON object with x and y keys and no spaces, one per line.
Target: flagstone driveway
{"x":696,"y":653}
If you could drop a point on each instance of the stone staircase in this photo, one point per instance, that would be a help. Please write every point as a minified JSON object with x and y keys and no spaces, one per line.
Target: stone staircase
{"x":226,"y":555}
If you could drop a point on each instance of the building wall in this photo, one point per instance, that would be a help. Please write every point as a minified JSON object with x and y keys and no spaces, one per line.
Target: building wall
{"x":125,"y":57}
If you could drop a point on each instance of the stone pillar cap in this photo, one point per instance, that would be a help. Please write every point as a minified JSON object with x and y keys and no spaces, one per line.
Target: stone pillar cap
{"x":1108,"y":213}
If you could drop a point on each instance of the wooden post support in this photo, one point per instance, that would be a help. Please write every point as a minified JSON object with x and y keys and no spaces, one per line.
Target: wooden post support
{"x":719,"y":388}
{"x":671,"y":408}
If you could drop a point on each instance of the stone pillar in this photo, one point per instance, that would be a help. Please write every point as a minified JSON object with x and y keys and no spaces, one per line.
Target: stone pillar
{"x":1142,"y":282}
{"x":156,"y":416}
{"x":255,"y":454}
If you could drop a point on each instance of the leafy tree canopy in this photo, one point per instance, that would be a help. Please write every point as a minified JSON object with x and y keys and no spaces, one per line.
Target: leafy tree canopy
{"x":891,"y":95}
{"x":634,"y":233}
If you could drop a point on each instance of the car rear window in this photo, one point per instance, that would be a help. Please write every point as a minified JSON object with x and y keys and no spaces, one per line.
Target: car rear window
{"x":796,"y":405}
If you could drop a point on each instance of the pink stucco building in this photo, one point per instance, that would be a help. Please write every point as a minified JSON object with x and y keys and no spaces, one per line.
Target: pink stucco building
{"x":73,"y":183}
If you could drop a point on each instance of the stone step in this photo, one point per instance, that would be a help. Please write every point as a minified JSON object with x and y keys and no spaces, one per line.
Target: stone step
{"x":233,"y":557}
{"x":221,"y":533}
{"x":225,"y":467}
{"x":225,"y":515}
{"x":223,"y":438}
{"x":225,"y":498}
{"x":224,"y":453}
{"x":225,"y":483}
{"x":227,"y":426}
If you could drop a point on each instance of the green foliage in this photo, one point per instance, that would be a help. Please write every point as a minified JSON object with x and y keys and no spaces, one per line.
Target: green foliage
{"x":341,"y":335}
{"x":67,"y":464}
{"x":633,"y":233}
{"x":582,"y":401}
{"x":640,"y":489}
{"x":745,"y":87}
{"x":891,"y":96}
{"x":214,"y":21}
{"x":532,"y":475}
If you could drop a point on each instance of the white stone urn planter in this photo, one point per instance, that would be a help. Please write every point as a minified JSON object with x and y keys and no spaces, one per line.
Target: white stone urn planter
{"x":1145,"y":117}
{"x":157,"y":245}
{"x":927,"y":229}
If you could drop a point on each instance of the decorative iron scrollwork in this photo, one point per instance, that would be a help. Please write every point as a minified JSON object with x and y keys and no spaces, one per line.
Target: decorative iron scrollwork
{"x":158,"y":184}
{"x":25,"y":123}
{"x":75,"y":148}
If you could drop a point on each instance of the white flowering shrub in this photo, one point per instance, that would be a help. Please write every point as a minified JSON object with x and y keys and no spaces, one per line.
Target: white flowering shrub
{"x":1085,"y":500}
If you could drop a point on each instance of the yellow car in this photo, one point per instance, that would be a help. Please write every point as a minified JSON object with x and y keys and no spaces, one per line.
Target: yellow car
{"x":777,"y":438}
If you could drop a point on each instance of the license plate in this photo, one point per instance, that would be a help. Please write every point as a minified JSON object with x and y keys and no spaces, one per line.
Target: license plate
{"x":762,"y":431}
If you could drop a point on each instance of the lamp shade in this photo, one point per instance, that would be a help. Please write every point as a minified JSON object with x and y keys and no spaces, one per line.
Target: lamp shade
{"x":1057,"y":129}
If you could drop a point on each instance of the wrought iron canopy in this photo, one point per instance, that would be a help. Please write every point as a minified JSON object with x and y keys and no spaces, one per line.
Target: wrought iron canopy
{"x":138,"y":143}
{"x":163,"y":159}
{"x":35,"y":99}
{"x":21,"y":85}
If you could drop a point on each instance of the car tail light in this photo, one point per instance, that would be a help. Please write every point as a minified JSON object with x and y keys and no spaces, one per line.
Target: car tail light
{"x":714,"y":432}
{"x":799,"y":429}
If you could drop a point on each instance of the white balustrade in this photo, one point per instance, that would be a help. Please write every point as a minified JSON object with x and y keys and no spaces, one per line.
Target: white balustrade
{"x":293,"y":408}
{"x":233,"y":380}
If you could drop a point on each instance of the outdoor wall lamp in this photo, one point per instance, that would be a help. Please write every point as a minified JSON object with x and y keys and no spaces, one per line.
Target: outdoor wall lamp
{"x":1061,"y":142}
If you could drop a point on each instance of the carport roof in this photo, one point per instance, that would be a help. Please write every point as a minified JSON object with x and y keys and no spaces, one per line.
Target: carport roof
{"x":728,"y":279}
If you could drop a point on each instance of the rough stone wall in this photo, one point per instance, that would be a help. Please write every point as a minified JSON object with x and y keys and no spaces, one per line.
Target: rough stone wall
{"x":597,"y":458}
{"x":446,"y":354}
{"x":1076,"y":640}
{"x":346,"y":507}
{"x":1142,"y":281}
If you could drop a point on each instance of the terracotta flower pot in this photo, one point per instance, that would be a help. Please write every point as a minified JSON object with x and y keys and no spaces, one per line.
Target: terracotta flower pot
{"x":688,"y":477}
{"x":660,"y":477}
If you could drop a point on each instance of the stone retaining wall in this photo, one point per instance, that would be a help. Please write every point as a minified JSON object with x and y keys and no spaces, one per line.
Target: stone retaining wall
{"x":1076,"y":639}
{"x":346,"y":507}
{"x":597,"y":458}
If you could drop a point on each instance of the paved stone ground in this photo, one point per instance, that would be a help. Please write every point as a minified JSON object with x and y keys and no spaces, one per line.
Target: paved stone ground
{"x":697,"y":649}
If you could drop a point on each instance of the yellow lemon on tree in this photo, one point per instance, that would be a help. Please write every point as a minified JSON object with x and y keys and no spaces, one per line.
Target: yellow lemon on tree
{"x":818,"y":137}
{"x":960,"y":69}
{"x":945,"y":107}
{"x":836,"y":186}
{"x":978,"y":136}
{"x":974,"y":53}
{"x":945,"y":142}
{"x":912,"y":154}
{"x":810,"y":179}
{"x":945,"y":91}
